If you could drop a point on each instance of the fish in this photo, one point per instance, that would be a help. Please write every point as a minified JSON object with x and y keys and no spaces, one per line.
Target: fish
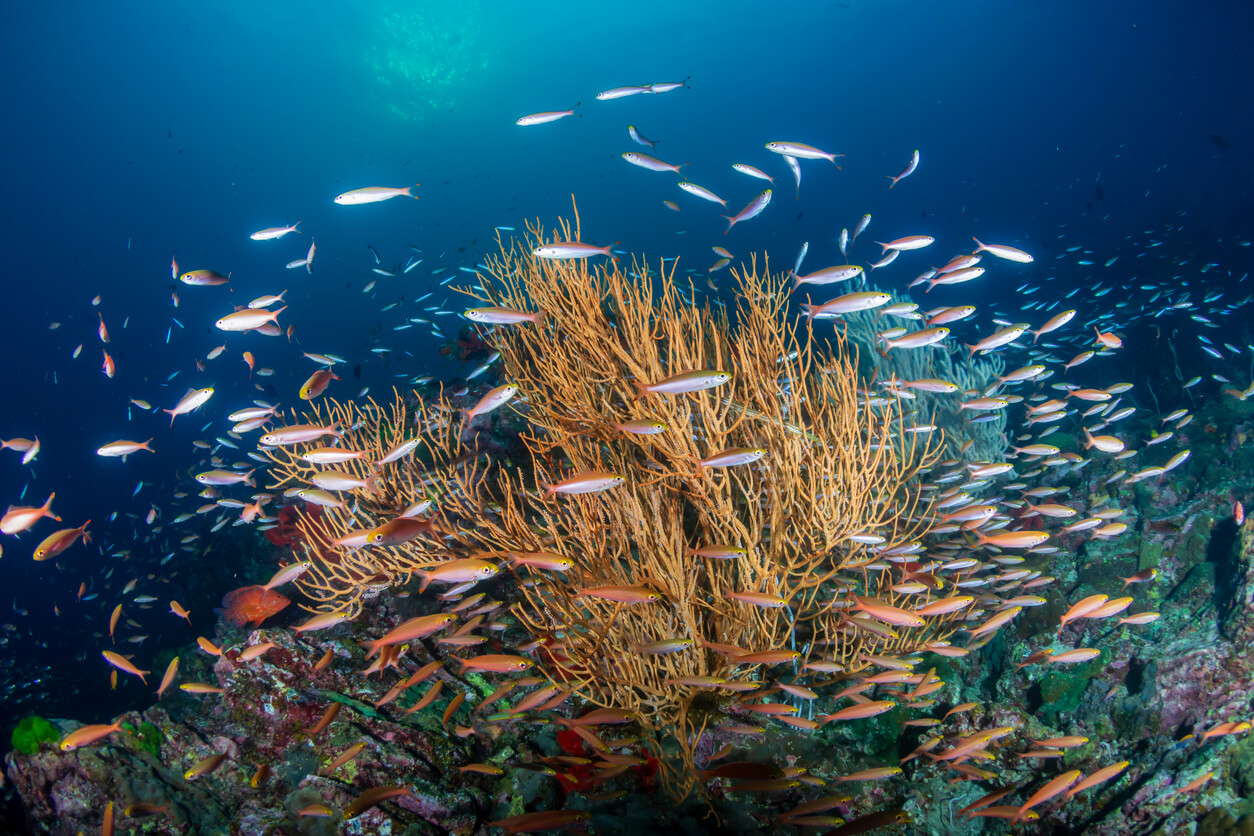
{"x":494,"y":663}
{"x":701,"y":192}
{"x":592,"y":481}
{"x":225,"y":477}
{"x":828,"y":275}
{"x":411,"y":630}
{"x":494,"y":399}
{"x":248,"y":319}
{"x":684,"y":382}
{"x":570,"y":249}
{"x":502,"y":316}
{"x":801,"y":151}
{"x":58,"y":541}
{"x":166,"y":680}
{"x":252,"y":605}
{"x":751,"y":210}
{"x":287,"y":574}
{"x":201,"y":688}
{"x":124,"y":448}
{"x":399,"y":530}
{"x":299,"y":434}
{"x":910,"y":242}
{"x":457,"y":571}
{"x":321,"y":621}
{"x":317,"y":384}
{"x":274,"y":233}
{"x":651,"y":163}
{"x":621,"y":92}
{"x":203,"y":278}
{"x":639,"y":138}
{"x":373,"y":194}
{"x":907,"y":171}
{"x":205,"y":766}
{"x":753,"y":172}
{"x":18,"y":519}
{"x":87,"y":735}
{"x":124,"y":664}
{"x":848,"y":303}
{"x":545,"y":116}
{"x":372,"y":798}
{"x":1003,"y":252}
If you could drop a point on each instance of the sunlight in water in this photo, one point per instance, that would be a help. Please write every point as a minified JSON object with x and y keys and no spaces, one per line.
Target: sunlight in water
{"x":419,"y":57}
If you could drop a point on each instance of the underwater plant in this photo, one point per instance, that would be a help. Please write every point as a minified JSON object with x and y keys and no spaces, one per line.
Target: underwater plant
{"x":31,"y":732}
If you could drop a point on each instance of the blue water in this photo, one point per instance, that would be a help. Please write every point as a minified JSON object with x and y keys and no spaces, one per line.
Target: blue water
{"x":138,"y":133}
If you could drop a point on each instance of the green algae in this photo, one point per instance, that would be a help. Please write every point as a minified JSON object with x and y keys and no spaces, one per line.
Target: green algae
{"x":149,"y":738}
{"x":31,"y":733}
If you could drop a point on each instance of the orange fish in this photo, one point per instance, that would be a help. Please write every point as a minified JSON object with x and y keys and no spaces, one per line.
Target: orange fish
{"x":545,"y":820}
{"x":170,"y":672}
{"x":177,"y":609}
{"x":59,"y":541}
{"x":252,"y":604}
{"x":108,"y":366}
{"x":124,"y":664}
{"x":495,"y":663}
{"x":86,"y":735}
{"x":18,"y":519}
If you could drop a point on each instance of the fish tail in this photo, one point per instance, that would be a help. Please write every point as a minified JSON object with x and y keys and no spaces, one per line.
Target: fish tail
{"x":731,"y":221}
{"x":979,"y":244}
{"x":890,"y":177}
{"x":408,"y":193}
{"x":538,"y":316}
{"x":641,"y":390}
{"x":274,"y":317}
{"x":334,"y":429}
{"x":146,"y":443}
{"x":248,"y":478}
{"x":172,"y":416}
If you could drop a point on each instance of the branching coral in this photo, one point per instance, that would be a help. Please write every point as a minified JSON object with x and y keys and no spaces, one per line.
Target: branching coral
{"x":832,"y":469}
{"x":685,"y":570}
{"x":342,"y":576}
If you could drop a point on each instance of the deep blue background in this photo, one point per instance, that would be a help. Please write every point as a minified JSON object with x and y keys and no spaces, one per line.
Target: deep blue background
{"x":181,"y":129}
